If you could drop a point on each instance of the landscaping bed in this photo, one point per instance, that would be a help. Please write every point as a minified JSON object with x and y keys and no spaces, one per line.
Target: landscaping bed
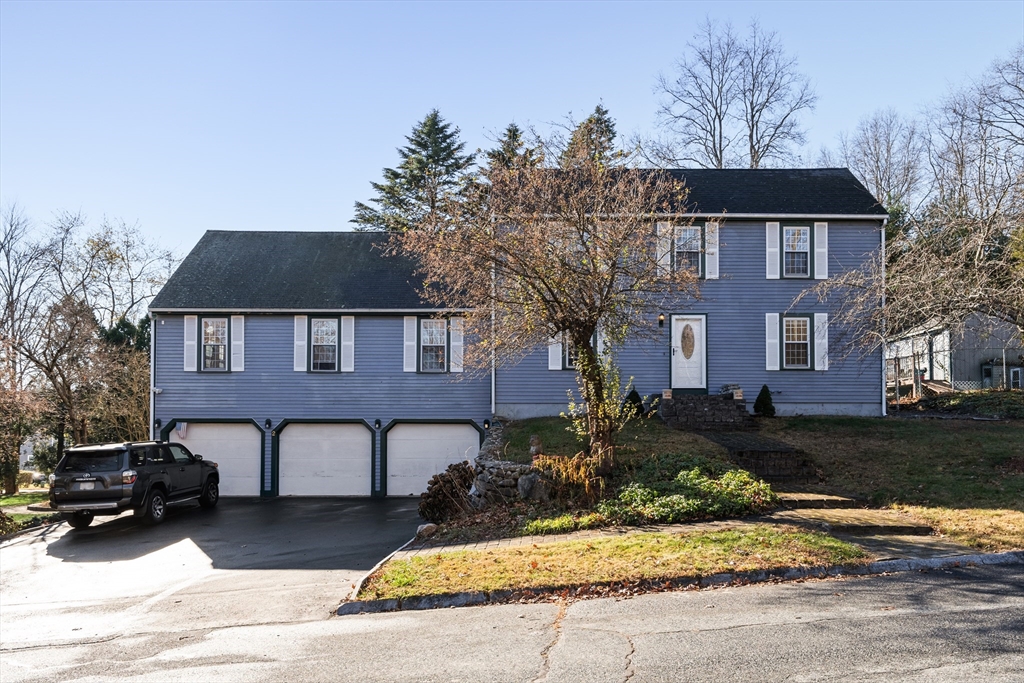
{"x":11,"y":523}
{"x":640,"y":557}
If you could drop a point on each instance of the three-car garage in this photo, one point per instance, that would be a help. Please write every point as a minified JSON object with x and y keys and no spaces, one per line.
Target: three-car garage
{"x":328,"y":458}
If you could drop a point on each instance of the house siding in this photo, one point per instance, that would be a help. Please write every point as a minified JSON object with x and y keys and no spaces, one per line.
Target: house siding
{"x":735,"y":305}
{"x":269,"y":388}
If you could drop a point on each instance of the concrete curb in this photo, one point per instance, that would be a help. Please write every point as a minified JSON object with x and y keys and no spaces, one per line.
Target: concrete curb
{"x":422,"y":602}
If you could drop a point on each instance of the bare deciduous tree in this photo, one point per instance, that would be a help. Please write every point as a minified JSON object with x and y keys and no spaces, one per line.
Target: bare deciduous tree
{"x":554,"y":250}
{"x":886,"y":153}
{"x":730,"y":92}
{"x":962,"y":256}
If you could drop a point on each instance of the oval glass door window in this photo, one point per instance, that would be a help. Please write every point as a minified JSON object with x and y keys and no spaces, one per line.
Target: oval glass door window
{"x":688,"y":342}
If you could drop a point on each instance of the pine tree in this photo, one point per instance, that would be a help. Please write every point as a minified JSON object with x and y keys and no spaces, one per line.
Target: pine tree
{"x":593,"y":138}
{"x":513,"y":152}
{"x":432,"y":168}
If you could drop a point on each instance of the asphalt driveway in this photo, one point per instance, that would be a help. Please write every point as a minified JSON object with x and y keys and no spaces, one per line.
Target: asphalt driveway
{"x":249,"y":561}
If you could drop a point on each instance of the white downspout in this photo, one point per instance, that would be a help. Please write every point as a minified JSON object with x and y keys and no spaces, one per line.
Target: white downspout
{"x":884,"y":349}
{"x":152,"y":376}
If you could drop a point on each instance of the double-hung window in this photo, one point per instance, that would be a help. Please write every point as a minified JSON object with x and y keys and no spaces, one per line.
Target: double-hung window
{"x":215,"y":344}
{"x":796,"y":251}
{"x":433,"y":345}
{"x":797,"y":342}
{"x":324,"y":345}
{"x":688,"y":248}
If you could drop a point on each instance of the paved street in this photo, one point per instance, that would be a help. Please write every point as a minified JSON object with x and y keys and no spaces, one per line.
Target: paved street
{"x":198,"y":606}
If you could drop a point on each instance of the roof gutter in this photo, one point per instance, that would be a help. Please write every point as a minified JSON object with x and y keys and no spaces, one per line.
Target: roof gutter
{"x":248,"y":309}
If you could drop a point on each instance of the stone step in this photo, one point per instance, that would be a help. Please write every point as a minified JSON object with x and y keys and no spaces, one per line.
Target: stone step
{"x":812,"y":500}
{"x":856,"y":522}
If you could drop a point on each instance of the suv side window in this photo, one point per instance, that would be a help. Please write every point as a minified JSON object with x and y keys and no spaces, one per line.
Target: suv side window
{"x":137,"y":457}
{"x":179,"y":455}
{"x":158,"y":456}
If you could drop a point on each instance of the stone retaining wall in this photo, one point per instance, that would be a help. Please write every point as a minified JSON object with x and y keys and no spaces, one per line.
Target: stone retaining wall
{"x":700,"y":412}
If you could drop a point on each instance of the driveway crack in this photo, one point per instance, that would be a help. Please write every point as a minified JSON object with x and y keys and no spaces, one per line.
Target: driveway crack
{"x":545,"y":660}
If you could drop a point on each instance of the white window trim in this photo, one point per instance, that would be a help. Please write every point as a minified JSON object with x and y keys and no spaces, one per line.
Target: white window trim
{"x":227,"y":343}
{"x":337,"y":343}
{"x":809,"y":252}
{"x":809,"y":342}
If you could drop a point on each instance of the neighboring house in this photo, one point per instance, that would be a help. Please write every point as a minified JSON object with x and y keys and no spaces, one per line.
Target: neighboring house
{"x":986,"y":354}
{"x":305,"y":363}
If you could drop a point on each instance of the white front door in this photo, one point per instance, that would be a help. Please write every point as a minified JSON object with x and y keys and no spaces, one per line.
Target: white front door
{"x":688,"y":352}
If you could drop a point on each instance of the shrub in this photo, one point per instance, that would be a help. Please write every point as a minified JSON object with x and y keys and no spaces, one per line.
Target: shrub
{"x":7,"y":525}
{"x":447,"y":493}
{"x":634,"y":404}
{"x":763,"y":405}
{"x":691,"y":495}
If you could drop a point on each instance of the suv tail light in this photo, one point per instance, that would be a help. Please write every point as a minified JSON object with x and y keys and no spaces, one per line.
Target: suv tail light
{"x":212,"y":463}
{"x":51,"y":479}
{"x":129,"y":476}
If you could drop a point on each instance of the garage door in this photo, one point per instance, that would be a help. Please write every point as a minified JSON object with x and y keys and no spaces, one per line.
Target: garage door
{"x":416,"y":452}
{"x":236,"y":450}
{"x":325,"y":460}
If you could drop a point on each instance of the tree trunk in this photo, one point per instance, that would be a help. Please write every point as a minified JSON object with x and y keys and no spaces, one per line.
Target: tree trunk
{"x":599,"y":422}
{"x":11,"y":469}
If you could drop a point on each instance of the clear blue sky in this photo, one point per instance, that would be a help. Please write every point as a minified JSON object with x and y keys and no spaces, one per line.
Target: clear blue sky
{"x":189,"y":116}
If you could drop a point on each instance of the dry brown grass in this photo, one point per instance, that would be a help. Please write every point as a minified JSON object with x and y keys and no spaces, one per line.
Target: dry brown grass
{"x":635,"y":557}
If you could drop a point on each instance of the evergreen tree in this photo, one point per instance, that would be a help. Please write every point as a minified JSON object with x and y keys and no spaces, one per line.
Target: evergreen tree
{"x":593,"y":139}
{"x":432,"y":168}
{"x":513,"y":152}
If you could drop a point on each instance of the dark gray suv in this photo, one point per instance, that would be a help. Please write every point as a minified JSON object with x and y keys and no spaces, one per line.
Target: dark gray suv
{"x":107,"y":479}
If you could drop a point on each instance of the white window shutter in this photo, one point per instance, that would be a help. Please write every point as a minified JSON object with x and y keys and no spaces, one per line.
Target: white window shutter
{"x":237,"y":343}
{"x":191,"y":350}
{"x":409,"y":347}
{"x":771,"y":341}
{"x":821,"y":341}
{"x":771,"y":252}
{"x":711,"y":251}
{"x":554,"y":354}
{"x":664,"y":248}
{"x":299,"y":356}
{"x":455,"y":364}
{"x":820,"y":251}
{"x":599,"y":343}
{"x":348,"y":343}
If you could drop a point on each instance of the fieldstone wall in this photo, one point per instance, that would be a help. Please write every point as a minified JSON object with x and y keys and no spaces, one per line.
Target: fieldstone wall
{"x":703,"y":412}
{"x":497,"y":481}
{"x":503,"y":481}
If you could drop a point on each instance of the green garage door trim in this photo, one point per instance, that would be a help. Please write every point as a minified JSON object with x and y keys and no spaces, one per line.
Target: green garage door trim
{"x":165,"y":432}
{"x":275,"y":446}
{"x":383,"y":491}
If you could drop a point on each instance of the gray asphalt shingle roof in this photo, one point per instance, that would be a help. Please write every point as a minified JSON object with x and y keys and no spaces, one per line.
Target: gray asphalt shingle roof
{"x":261,"y":270}
{"x":766,"y":191}
{"x":290,"y":270}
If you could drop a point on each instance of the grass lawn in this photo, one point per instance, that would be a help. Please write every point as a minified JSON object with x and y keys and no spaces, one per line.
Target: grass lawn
{"x":635,"y":557}
{"x":966,"y":478}
{"x":24,"y":498}
{"x":639,"y":439}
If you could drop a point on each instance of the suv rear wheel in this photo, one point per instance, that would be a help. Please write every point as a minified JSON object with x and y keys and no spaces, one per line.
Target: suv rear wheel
{"x":78,"y":520}
{"x":210,"y":495}
{"x":156,"y":507}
